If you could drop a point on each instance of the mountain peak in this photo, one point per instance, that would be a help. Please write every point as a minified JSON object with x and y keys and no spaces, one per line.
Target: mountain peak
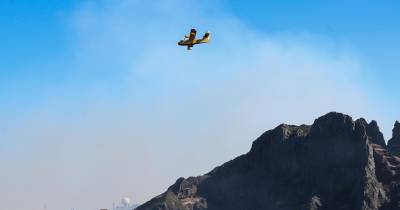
{"x":336,"y":163}
{"x":375,"y":134}
{"x":333,"y":123}
{"x":394,"y":142}
{"x":396,"y":130}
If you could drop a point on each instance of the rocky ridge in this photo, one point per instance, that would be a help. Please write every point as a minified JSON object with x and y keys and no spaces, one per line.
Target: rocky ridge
{"x":336,"y":163}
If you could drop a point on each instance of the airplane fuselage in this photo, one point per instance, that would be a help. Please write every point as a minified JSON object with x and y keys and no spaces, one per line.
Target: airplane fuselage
{"x":186,"y":43}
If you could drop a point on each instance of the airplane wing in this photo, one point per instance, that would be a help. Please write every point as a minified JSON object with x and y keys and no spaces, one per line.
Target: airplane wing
{"x":192,"y":35}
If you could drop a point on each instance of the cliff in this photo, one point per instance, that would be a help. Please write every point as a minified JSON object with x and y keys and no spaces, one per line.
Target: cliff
{"x":336,"y":163}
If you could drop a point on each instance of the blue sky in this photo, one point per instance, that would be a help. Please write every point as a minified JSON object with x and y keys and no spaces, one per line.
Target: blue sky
{"x":39,"y":33}
{"x":370,"y":27}
{"x":80,"y":79}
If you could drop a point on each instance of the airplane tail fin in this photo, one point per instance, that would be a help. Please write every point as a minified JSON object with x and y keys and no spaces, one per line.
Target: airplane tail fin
{"x":206,"y":37}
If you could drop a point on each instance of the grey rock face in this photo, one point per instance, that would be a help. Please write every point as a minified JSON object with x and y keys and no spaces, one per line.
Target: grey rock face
{"x":374,"y":133}
{"x":334,"y":164}
{"x":394,"y":143}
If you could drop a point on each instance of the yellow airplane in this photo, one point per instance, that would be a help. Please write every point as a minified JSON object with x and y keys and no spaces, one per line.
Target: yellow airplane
{"x":191,"y":40}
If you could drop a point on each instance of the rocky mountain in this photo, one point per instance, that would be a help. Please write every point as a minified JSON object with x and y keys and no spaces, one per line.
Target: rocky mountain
{"x":334,"y":164}
{"x":394,"y":143}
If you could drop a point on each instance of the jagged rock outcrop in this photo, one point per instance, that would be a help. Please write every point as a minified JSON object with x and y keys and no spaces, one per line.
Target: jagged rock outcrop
{"x":334,"y":164}
{"x":394,"y":143}
{"x":374,"y":133}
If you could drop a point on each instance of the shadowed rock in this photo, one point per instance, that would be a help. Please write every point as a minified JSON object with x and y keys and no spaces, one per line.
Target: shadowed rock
{"x":334,"y":164}
{"x":394,"y":143}
{"x":374,"y":133}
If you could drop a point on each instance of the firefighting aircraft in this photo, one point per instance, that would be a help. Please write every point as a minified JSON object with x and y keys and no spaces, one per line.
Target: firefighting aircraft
{"x":191,"y":40}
